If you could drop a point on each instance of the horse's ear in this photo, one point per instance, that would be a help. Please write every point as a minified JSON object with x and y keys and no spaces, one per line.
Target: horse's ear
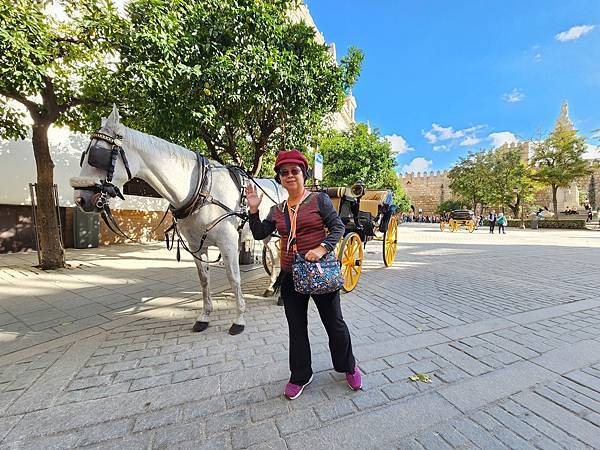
{"x":113,"y":119}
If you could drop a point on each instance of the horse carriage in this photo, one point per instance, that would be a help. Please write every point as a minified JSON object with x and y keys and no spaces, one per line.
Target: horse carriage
{"x":458,"y":218}
{"x":367,"y":215}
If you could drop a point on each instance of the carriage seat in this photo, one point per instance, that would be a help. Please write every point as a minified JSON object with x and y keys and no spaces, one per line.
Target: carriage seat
{"x":336,"y":194}
{"x":372,"y":200}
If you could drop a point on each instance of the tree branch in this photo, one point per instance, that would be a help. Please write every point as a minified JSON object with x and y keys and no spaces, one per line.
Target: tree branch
{"x":32,"y":107}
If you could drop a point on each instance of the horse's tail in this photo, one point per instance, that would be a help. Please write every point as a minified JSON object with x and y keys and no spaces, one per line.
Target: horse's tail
{"x":277,"y":284}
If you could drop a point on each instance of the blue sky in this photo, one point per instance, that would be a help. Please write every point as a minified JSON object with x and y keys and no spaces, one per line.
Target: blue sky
{"x":447,"y":77}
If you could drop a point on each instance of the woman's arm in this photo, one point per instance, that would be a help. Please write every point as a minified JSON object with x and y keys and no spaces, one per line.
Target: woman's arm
{"x":261,"y":228}
{"x":332,"y":221}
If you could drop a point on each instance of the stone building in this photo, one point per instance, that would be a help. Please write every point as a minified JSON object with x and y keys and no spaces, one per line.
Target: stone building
{"x":426,"y":191}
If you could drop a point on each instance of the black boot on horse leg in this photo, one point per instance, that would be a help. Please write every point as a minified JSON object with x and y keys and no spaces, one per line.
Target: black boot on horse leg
{"x":236,"y":329}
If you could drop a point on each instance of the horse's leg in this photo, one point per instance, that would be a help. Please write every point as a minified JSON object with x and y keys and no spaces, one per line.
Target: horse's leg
{"x":273,"y":277}
{"x":232,"y":268}
{"x":207,"y":306}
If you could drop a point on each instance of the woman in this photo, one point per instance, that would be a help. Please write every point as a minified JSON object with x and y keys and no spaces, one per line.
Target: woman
{"x":501,"y":223}
{"x":312,"y":213}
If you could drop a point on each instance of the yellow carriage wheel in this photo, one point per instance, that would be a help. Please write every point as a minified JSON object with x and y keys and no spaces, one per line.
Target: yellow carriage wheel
{"x":390,"y":242}
{"x":442,"y":226}
{"x":452,"y":225}
{"x":470,"y":226}
{"x":351,"y":257}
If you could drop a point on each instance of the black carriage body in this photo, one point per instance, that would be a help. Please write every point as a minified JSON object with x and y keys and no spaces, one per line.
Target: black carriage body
{"x":376,"y":213}
{"x":461,"y":214}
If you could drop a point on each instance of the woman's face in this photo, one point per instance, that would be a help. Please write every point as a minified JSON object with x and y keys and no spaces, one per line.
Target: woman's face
{"x":291,"y":177}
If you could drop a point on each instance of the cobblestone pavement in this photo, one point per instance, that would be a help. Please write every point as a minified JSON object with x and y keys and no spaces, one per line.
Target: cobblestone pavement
{"x":507,"y":328}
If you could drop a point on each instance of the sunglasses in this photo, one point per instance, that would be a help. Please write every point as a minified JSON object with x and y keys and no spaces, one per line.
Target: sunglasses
{"x":295,"y":171}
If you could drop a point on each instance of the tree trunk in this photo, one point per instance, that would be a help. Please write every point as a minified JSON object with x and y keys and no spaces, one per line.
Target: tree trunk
{"x":555,"y":201}
{"x":52,"y":253}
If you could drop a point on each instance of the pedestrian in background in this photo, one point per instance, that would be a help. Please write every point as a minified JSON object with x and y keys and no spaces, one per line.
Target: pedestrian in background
{"x":310,"y":214}
{"x":492,"y":220}
{"x":501,"y":223}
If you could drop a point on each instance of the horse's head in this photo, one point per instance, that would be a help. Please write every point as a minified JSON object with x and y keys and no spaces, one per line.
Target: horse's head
{"x":105,"y":166}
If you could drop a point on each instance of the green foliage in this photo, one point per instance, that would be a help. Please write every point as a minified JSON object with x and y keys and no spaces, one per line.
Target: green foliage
{"x":470,"y":178}
{"x":357,"y":154}
{"x":237,"y":75}
{"x":52,"y":66}
{"x":559,"y":160}
{"x":575,"y":224}
{"x":448,"y":206}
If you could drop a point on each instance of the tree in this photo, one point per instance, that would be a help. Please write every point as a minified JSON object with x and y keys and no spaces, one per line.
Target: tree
{"x":470,"y":179}
{"x":235,"y":78}
{"x":511,"y":179}
{"x":360,"y":154}
{"x":51,"y":67}
{"x":448,"y":206}
{"x":559,"y":161}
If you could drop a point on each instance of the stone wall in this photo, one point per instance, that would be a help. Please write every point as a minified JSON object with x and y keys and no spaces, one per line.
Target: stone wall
{"x":426,"y":190}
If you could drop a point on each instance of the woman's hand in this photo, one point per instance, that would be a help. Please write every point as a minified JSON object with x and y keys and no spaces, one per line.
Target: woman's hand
{"x":315,"y":254}
{"x":253,"y":198}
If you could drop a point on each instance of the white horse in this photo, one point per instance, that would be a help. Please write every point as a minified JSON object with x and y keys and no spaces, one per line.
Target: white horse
{"x":174,"y":172}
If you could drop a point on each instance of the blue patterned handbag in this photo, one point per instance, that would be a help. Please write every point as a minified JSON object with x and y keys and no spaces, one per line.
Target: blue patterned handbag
{"x":318,"y":277}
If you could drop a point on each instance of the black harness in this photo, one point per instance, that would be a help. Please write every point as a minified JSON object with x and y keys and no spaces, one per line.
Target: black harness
{"x":102,"y":159}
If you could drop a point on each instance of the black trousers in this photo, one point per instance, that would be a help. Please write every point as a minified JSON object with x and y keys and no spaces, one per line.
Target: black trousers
{"x":296,"y":312}
{"x":492,"y":226}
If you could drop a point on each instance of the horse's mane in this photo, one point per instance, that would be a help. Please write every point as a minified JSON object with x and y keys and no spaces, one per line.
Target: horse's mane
{"x":155,"y":146}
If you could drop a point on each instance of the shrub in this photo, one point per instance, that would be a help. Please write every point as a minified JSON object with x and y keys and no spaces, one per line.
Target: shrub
{"x":549,"y":223}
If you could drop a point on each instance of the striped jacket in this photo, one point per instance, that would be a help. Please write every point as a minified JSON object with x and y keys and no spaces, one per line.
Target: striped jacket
{"x":318,"y":223}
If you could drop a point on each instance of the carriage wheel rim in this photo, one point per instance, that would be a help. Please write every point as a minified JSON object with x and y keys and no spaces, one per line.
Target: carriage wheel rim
{"x":352,"y":253}
{"x":390,"y":242}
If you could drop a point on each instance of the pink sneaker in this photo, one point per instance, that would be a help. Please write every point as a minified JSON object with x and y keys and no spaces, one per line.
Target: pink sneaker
{"x":354,"y":380}
{"x":293,"y":391}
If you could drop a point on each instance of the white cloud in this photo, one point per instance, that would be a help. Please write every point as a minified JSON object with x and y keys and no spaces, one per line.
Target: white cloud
{"x":399,"y":144}
{"x":501,"y":138}
{"x":592,"y":152}
{"x":574,"y":33}
{"x":470,"y":140}
{"x":417,"y":165}
{"x":440,"y":133}
{"x":514,"y":96}
{"x":441,"y":148}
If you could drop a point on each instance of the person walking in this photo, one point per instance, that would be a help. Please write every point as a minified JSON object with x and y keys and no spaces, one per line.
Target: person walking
{"x":492,"y":220}
{"x":311,"y":214}
{"x":501,"y":223}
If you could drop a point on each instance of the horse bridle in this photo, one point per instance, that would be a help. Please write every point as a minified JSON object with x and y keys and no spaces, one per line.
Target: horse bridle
{"x":106,"y":159}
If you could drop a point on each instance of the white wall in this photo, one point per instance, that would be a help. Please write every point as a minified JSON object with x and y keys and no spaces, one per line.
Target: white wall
{"x":17,"y":170}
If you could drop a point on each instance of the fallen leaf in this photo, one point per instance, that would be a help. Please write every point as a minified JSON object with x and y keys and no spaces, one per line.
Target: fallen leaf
{"x":422,"y":377}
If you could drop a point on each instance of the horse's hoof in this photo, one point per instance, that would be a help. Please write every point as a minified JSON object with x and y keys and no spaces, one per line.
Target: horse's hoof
{"x":199,"y":326}
{"x":236,"y":329}
{"x":269,"y":293}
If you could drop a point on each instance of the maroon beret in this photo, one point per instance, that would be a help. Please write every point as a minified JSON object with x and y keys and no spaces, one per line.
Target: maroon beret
{"x":292,"y":156}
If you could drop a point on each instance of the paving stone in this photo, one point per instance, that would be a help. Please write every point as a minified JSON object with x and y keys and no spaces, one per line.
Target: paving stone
{"x":243,"y":398}
{"x":367,"y":400}
{"x":296,"y":421}
{"x":382,"y":426}
{"x":254,"y":434}
{"x":334,"y":409}
{"x":399,"y":390}
{"x":432,"y":441}
{"x":84,"y":383}
{"x":225,"y":422}
{"x":169,"y":436}
{"x":373,"y":366}
{"x":270,"y":408}
{"x":583,"y":430}
{"x":103,"y":432}
{"x":156,"y":419}
{"x":203,"y":408}
{"x":147,"y":383}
